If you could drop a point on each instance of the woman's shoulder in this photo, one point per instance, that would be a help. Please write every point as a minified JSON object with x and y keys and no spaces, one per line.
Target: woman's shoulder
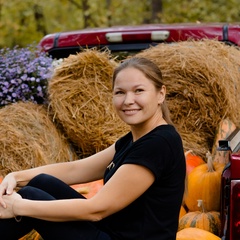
{"x":165,"y":130}
{"x":124,"y":140}
{"x":165,"y":133}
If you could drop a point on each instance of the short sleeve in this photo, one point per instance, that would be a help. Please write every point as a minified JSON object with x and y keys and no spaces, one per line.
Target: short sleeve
{"x":152,"y":152}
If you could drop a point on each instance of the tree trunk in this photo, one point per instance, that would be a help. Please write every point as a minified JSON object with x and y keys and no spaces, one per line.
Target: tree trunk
{"x":109,"y":13}
{"x":86,"y":14}
{"x":39,"y":18}
{"x":156,"y":11}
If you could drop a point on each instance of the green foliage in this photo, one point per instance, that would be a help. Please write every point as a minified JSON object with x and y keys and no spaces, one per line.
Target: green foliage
{"x":25,"y":22}
{"x":200,"y":10}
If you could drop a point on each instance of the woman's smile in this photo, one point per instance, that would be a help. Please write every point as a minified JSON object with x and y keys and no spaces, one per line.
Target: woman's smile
{"x":131,"y":111}
{"x":136,"y":98}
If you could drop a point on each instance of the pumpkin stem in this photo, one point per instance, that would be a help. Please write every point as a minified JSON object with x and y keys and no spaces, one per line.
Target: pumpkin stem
{"x":200,"y":205}
{"x":210,"y":162}
{"x":187,"y":152}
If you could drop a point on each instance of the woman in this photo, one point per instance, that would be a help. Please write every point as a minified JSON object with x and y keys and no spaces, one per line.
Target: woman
{"x":143,"y":173}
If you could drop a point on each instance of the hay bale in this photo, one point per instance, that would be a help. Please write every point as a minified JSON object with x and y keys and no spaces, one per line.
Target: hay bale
{"x":28,"y":138}
{"x":203,"y":83}
{"x":80,"y":97}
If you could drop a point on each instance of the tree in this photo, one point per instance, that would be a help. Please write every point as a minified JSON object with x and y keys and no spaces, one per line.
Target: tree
{"x":25,"y":22}
{"x":157,"y":9}
{"x":39,"y":19}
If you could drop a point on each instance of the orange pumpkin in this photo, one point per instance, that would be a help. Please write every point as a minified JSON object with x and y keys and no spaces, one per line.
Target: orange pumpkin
{"x":204,"y":182}
{"x":192,"y":161}
{"x":209,"y":221}
{"x":195,"y":234}
{"x":182,"y":212}
{"x":226,"y":127}
{"x":33,"y":235}
{"x":88,"y":190}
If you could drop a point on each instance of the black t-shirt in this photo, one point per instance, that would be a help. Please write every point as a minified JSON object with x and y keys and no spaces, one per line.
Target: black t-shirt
{"x":154,"y":215}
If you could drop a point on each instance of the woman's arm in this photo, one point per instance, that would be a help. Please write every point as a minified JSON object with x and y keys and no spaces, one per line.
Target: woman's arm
{"x":127,"y":184}
{"x":83,"y":170}
{"x":79,"y":171}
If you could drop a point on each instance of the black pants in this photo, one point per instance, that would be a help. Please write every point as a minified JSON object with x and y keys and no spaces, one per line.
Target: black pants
{"x":45,"y":187}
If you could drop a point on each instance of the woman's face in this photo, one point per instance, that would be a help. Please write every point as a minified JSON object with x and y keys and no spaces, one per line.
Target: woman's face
{"x":136,"y":99}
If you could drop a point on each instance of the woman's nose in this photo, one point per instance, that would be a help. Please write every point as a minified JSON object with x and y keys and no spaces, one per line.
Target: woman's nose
{"x":129,"y":98}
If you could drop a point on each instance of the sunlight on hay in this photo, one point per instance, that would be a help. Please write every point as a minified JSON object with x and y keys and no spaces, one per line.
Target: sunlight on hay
{"x":203,"y":84}
{"x":28,"y":138}
{"x":80,"y":98}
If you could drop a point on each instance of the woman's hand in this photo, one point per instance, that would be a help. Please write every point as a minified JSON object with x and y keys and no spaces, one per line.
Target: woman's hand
{"x":8,"y":211}
{"x":7,"y":187}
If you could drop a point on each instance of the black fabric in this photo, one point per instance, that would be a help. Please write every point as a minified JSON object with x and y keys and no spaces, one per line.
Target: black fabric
{"x":154,"y":215}
{"x":45,"y":187}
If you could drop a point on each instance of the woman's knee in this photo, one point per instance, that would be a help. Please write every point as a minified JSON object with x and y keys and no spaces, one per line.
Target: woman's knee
{"x":54,"y":186}
{"x":32,"y":193}
{"x":40,"y":179}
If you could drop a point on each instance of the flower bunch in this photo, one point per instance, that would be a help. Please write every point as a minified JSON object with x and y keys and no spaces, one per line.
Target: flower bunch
{"x":24,"y":74}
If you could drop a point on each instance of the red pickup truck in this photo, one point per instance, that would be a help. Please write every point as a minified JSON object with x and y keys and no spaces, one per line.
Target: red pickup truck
{"x":230,"y":192}
{"x":125,"y":40}
{"x":130,"y":39}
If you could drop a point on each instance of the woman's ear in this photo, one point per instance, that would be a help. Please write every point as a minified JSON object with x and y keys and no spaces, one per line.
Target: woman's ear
{"x":162,"y":94}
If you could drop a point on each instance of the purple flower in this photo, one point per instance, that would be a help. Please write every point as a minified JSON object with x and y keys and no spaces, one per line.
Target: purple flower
{"x":6,"y":84}
{"x":24,"y":74}
{"x":24,"y":77}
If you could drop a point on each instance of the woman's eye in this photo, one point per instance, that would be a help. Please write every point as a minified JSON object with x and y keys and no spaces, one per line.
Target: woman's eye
{"x":138,"y":90}
{"x":118,"y":92}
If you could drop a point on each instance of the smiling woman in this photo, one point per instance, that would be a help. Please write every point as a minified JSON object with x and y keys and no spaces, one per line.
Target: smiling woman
{"x":144,"y":169}
{"x":137,"y":72}
{"x":133,"y":99}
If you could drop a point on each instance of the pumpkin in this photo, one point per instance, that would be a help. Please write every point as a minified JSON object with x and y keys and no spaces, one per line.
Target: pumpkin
{"x":195,"y":234}
{"x":88,"y":190}
{"x":192,"y":161}
{"x":209,"y":221}
{"x":226,"y":127}
{"x":182,"y":212}
{"x":33,"y":235}
{"x":204,"y":182}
